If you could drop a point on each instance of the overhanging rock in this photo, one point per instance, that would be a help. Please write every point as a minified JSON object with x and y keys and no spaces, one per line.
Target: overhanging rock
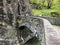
{"x":28,"y":28}
{"x":34,"y":25}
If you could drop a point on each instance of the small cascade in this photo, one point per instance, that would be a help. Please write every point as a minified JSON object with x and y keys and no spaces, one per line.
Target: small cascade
{"x":51,"y":34}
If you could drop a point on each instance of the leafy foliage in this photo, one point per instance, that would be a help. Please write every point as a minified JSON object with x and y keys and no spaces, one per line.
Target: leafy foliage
{"x":55,"y":7}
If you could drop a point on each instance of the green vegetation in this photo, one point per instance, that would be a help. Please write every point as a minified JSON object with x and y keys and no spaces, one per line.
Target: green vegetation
{"x":55,"y":8}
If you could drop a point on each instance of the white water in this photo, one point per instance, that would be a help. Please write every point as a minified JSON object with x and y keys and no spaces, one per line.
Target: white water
{"x":52,"y":34}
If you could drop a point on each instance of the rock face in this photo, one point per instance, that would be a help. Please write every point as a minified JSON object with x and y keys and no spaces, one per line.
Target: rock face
{"x":35,"y":25}
{"x":17,"y":25}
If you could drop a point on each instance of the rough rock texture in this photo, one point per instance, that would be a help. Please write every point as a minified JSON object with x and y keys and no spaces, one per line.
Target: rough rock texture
{"x":17,"y":25}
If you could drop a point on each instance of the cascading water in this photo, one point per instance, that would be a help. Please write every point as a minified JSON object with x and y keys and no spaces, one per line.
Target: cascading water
{"x":51,"y":34}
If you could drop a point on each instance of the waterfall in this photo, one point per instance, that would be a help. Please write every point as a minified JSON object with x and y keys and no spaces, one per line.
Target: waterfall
{"x":51,"y":34}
